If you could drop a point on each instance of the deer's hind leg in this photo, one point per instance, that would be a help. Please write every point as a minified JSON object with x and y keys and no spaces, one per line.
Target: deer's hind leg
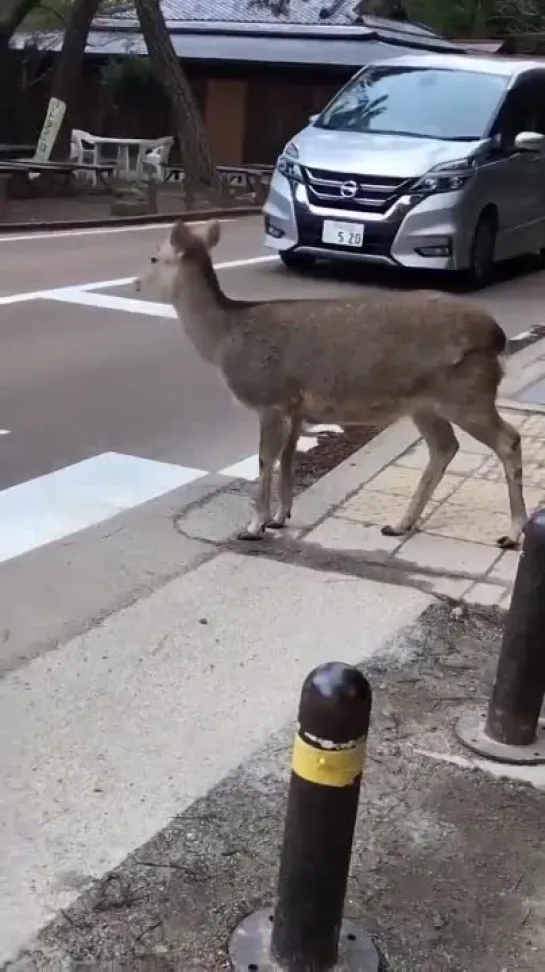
{"x":275,"y":427}
{"x":488,"y":427}
{"x":443,"y":446}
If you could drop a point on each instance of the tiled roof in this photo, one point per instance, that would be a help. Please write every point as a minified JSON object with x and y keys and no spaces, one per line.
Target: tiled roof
{"x":338,"y":12}
{"x":249,"y":11}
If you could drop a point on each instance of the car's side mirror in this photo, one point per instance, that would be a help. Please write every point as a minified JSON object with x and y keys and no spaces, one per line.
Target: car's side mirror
{"x":530,"y":142}
{"x":312,"y":118}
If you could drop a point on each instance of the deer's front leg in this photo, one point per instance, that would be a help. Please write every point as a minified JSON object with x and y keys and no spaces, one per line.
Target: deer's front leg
{"x":274,"y":430}
{"x":285,"y":487}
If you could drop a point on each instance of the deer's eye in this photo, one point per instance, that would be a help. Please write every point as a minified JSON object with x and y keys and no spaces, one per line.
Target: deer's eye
{"x":154,"y":259}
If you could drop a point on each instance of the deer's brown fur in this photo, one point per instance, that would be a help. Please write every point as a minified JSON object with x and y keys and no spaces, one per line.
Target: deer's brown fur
{"x":350,"y":361}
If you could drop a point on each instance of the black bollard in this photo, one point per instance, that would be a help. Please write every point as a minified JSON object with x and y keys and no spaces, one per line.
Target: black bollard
{"x":306,"y":932}
{"x":510,"y":731}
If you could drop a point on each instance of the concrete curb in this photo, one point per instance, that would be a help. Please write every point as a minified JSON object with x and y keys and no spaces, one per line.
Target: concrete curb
{"x":68,"y":224}
{"x":523,"y":369}
{"x":327,"y":494}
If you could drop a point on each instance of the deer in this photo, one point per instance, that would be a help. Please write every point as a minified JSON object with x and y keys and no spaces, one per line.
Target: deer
{"x":348,"y":360}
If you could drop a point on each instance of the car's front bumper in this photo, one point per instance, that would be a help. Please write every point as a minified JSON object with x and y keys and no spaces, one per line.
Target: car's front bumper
{"x":406,"y":235}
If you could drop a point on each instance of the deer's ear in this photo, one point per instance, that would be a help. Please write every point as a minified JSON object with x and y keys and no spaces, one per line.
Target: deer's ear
{"x":180,"y":237}
{"x":211,"y":234}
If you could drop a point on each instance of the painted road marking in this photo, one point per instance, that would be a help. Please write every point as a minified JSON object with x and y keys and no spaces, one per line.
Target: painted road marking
{"x":247,"y":469}
{"x":53,"y":506}
{"x":130,"y":305}
{"x":224,"y":265}
{"x":93,"y":231}
{"x":58,"y":504}
{"x":55,"y":292}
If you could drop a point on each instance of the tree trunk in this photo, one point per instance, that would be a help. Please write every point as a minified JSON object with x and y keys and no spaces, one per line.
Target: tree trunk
{"x":195,"y":152}
{"x":11,"y":17}
{"x":69,"y":67}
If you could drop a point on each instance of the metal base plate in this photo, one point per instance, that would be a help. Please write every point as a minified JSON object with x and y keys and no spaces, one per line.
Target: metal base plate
{"x":470,"y":732}
{"x":249,"y":948}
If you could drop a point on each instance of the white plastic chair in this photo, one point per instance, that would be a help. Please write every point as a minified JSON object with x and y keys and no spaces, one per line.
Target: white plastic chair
{"x":154,"y":157}
{"x":84,"y":149}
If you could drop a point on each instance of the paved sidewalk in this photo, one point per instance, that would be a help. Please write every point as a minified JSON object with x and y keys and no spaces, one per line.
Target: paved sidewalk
{"x":458,"y":533}
{"x":447,"y":874}
{"x":528,"y":387}
{"x":453,"y":552}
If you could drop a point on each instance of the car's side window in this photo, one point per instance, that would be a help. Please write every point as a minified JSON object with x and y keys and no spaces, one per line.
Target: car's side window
{"x":519,"y":113}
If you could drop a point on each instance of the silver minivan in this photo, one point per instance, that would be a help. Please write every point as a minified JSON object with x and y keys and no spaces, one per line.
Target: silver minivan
{"x":425,"y":161}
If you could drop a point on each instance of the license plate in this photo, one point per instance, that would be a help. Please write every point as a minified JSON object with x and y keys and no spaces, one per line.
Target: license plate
{"x":342,"y":234}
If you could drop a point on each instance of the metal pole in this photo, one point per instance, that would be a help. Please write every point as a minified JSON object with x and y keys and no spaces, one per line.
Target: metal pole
{"x":327,"y":764}
{"x":306,"y":932}
{"x":510,"y":731}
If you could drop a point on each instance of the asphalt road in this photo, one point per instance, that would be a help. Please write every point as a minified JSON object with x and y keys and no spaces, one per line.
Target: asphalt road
{"x":105,"y":406}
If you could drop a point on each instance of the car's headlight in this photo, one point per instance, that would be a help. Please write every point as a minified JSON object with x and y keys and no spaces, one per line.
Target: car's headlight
{"x":447,"y":177}
{"x":288,"y":165}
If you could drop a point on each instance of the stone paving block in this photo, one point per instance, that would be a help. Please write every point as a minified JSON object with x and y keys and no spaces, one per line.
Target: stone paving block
{"x":533,"y":449}
{"x":487,"y":594}
{"x":463,"y":463}
{"x":403,"y":482}
{"x":505,"y":569}
{"x":457,"y":520}
{"x":337,"y":533}
{"x":534,"y":426}
{"x":534,"y":470}
{"x":369,"y":507}
{"x":448,"y":555}
{"x":469,"y":444}
{"x":516,"y":418}
{"x":478,"y":494}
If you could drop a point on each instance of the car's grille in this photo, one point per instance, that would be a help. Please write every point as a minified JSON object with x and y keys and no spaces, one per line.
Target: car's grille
{"x":342,"y":190}
{"x":377,"y":240}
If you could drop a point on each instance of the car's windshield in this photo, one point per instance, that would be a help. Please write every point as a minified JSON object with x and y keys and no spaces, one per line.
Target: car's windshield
{"x":422,"y":102}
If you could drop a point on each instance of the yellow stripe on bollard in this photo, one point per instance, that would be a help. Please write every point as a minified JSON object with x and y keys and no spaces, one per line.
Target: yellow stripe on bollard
{"x":328,"y":767}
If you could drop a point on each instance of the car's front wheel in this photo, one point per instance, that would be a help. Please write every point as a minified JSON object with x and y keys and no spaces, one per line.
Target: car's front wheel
{"x":296,"y":261}
{"x":483,"y":247}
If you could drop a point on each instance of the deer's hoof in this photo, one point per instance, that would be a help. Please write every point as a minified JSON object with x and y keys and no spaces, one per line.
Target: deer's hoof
{"x":390,"y":531}
{"x":251,"y":534}
{"x":507,"y":543}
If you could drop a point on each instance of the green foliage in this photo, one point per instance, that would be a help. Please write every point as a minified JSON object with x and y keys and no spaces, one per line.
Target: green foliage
{"x":54,"y":14}
{"x":480,"y":18}
{"x":126,"y":78}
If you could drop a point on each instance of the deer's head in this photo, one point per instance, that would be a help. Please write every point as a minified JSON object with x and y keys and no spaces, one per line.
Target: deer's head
{"x":184,"y":251}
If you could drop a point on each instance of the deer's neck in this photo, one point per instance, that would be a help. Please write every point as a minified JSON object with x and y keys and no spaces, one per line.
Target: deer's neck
{"x":203,"y":307}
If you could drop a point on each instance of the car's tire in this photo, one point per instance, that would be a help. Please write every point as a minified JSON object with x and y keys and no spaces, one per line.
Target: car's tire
{"x":483,"y":245}
{"x":297,"y":261}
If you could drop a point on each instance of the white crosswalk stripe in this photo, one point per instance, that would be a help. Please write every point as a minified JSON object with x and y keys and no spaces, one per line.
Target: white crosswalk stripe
{"x":63,"y":502}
